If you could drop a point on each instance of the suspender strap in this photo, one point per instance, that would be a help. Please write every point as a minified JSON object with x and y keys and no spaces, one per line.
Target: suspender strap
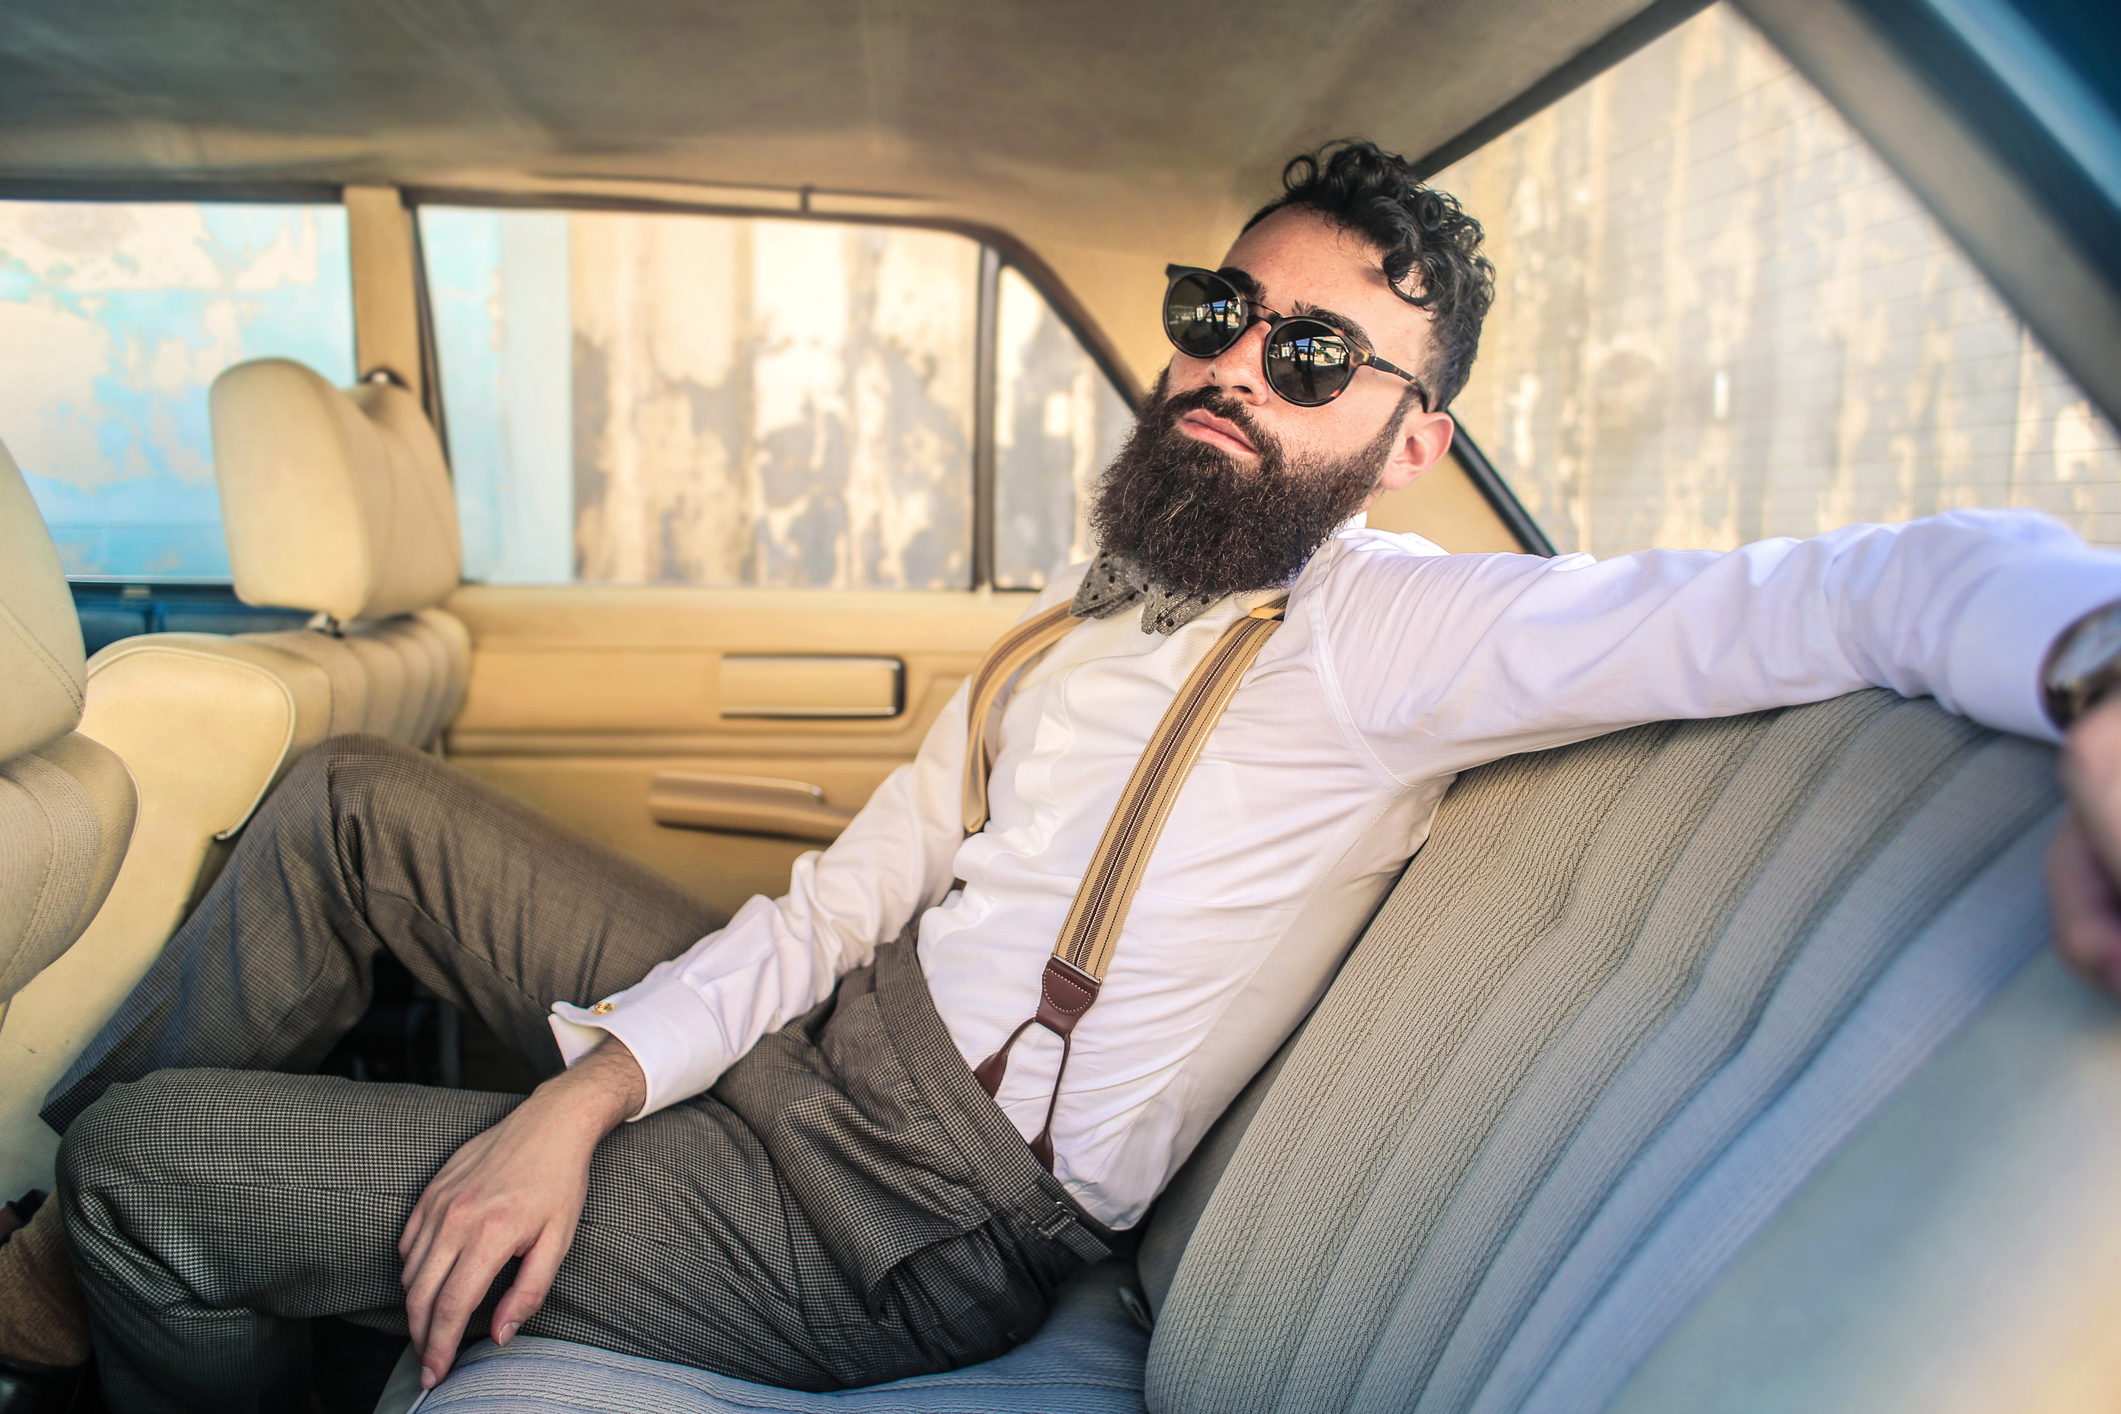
{"x":1076,"y":971}
{"x":1010,"y":652}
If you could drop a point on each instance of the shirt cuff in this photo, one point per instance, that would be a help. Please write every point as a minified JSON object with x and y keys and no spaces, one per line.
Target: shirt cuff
{"x":672,"y":1032}
{"x":2002,"y":641}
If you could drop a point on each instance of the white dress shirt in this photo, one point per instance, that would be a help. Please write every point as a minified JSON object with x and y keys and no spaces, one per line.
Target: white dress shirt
{"x":1398,"y":667}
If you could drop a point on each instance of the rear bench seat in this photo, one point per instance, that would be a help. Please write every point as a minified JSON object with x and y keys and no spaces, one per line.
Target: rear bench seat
{"x":1707,"y":1065}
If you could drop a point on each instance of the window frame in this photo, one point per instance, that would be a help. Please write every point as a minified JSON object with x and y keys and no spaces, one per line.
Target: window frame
{"x":997,"y":250}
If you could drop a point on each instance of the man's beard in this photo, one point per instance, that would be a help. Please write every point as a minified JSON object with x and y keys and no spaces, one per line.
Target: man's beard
{"x":1196,"y":520}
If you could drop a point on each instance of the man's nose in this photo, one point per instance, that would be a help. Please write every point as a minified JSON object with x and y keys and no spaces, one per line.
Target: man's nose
{"x":1240,"y":370}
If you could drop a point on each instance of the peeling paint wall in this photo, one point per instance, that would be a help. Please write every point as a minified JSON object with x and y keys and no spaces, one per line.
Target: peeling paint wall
{"x":748,"y":402}
{"x":1721,"y":317}
{"x":772,"y":403}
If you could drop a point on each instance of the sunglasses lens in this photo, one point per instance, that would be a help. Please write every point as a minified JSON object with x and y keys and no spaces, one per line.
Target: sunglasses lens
{"x":1203,"y":315}
{"x":1308,"y":363}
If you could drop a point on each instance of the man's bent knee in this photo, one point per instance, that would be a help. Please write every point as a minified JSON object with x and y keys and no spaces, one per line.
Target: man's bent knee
{"x":363,"y":752}
{"x":128,"y":1136}
{"x":350,"y":774}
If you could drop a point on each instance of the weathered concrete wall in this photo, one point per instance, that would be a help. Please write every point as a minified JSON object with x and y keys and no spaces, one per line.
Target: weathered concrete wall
{"x":771,"y":403}
{"x":1721,"y":317}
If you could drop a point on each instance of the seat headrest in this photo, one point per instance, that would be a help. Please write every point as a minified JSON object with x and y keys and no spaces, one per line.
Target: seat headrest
{"x":41,"y":668}
{"x":336,"y":502}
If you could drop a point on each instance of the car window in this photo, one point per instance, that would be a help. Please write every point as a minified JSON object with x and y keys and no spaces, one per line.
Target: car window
{"x":681,"y":399}
{"x":114,"y":319}
{"x":1720,"y":317}
{"x":1057,"y":422}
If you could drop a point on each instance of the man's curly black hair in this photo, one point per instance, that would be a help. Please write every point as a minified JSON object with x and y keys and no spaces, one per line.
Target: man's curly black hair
{"x":1423,"y":233}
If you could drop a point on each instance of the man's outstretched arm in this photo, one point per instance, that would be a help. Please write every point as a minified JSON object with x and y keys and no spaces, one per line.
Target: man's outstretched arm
{"x":515,"y":1191}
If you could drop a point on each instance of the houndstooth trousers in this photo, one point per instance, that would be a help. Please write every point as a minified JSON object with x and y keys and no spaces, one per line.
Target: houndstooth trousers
{"x":846,"y":1206}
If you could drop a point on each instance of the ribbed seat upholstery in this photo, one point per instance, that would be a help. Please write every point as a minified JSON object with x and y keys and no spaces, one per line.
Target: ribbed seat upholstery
{"x":1622,"y":1009}
{"x":336,"y":502}
{"x":66,"y":803}
{"x":1704,"y":1066}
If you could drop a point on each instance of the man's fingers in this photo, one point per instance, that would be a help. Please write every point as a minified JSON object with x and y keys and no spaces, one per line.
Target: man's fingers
{"x":425,"y":1218}
{"x":469,"y":1280}
{"x":443,"y":1248}
{"x":515,"y":1190}
{"x":2087,"y":914}
{"x":423,"y":1284}
{"x":2090,"y":770}
{"x":418,"y":1235}
{"x":532,"y":1284}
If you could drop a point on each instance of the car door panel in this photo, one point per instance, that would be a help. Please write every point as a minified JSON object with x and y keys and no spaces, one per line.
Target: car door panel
{"x":583,"y":695}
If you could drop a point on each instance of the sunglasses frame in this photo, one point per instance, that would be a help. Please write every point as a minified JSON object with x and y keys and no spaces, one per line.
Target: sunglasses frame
{"x":1257,"y":313}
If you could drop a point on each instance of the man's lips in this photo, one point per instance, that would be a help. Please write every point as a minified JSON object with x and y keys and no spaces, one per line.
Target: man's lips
{"x":1217,"y":432}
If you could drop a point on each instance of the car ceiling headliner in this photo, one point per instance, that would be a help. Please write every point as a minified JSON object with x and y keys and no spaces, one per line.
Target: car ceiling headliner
{"x":1106,"y":135}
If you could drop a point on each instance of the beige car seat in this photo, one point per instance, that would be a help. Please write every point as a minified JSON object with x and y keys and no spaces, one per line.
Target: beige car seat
{"x":336,"y":502}
{"x":66,"y":803}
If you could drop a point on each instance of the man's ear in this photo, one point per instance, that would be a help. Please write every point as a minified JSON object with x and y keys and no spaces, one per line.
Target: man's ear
{"x":1423,"y":439}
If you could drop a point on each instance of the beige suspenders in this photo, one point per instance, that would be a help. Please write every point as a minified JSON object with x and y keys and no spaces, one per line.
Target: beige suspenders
{"x":1083,"y":952}
{"x":1010,"y":652}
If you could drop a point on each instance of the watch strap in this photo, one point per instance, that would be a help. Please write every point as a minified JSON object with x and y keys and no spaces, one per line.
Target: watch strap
{"x":2083,"y":667}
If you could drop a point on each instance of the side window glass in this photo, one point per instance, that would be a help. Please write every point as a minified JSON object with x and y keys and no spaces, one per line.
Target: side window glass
{"x":1721,"y":317}
{"x":1058,"y":422}
{"x":114,"y":319}
{"x":676,"y":399}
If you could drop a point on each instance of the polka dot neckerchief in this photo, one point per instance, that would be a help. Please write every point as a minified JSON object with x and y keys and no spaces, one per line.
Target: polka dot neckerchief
{"x":1115,"y":583}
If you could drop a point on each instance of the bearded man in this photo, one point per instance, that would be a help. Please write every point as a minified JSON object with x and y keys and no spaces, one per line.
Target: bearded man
{"x":816,"y":1189}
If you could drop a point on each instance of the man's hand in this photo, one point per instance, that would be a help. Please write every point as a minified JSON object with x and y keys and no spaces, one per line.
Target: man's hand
{"x":2084,"y":861}
{"x":515,"y":1191}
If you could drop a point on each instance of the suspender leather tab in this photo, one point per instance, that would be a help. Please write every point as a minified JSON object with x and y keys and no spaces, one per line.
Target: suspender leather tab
{"x":1065,"y":992}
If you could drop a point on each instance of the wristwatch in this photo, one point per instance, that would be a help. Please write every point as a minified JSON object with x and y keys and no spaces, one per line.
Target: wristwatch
{"x":2083,"y":666}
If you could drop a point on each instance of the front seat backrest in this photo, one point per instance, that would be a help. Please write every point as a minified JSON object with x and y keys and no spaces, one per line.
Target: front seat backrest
{"x":66,"y":803}
{"x":339,"y":502}
{"x":336,"y":502}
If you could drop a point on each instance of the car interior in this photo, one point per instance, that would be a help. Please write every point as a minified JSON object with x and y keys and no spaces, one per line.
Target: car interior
{"x":656,"y":408}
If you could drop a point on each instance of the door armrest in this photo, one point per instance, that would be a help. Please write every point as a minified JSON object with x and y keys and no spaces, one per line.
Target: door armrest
{"x":744,"y":805}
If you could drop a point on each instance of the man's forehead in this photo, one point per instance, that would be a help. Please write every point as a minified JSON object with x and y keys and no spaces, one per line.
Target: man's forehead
{"x":1295,"y":243}
{"x":1299,"y":257}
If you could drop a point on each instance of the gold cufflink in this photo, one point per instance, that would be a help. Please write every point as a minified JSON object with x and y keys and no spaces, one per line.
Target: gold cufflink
{"x":604,"y":1008}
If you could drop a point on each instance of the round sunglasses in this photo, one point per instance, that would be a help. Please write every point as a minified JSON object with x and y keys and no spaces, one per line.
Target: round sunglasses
{"x":1307,"y":361}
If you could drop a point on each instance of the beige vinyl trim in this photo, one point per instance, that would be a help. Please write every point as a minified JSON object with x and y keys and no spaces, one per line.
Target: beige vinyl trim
{"x":749,"y":805}
{"x":385,"y":286}
{"x":139,"y":739}
{"x":804,"y":686}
